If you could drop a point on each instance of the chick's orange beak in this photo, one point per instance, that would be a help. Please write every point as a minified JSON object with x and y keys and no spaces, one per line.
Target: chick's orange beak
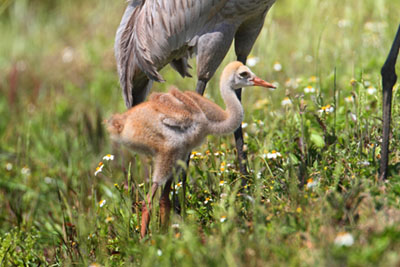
{"x":260,"y":82}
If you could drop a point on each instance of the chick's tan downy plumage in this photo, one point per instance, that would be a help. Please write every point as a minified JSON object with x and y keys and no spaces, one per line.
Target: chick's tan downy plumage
{"x":169,"y":125}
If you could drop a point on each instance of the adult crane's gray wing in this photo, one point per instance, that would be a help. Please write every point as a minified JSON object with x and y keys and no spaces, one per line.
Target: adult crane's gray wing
{"x":158,"y":32}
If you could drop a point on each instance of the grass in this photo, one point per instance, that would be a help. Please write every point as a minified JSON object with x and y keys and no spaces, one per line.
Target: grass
{"x":58,"y":82}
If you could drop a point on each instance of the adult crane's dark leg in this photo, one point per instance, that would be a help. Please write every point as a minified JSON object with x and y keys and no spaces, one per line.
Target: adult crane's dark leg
{"x":388,"y":80}
{"x":241,"y":154}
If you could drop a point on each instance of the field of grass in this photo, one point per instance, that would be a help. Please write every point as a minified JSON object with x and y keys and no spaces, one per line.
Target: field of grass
{"x":312,"y":199}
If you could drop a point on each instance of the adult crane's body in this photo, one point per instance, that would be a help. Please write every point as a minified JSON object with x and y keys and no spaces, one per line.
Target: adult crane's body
{"x":154,"y":33}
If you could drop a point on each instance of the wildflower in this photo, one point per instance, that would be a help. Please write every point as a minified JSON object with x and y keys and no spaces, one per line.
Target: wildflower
{"x":102,"y":203}
{"x":99,"y":168}
{"x":353,"y":82}
{"x":260,"y":122}
{"x":261,"y":103}
{"x":222,"y":219}
{"x":9,"y":166}
{"x":159,"y":252}
{"x":175,"y":226}
{"x":286,"y":102}
{"x":326,"y":109}
{"x":343,"y":23}
{"x":25,"y":171}
{"x":67,"y":55}
{"x":353,"y":117}
{"x":309,"y":89}
{"x":364,"y":163}
{"x":244,"y":125}
{"x":90,"y":236}
{"x":108,"y":157}
{"x":178,"y":186}
{"x":223,"y":195}
{"x":207,"y":200}
{"x":274,"y":154}
{"x":277,"y":66}
{"x":252,"y":61}
{"x":221,"y":183}
{"x":109,"y":219}
{"x":219,"y":153}
{"x":313,"y":79}
{"x":311,"y":183}
{"x":309,"y":58}
{"x":222,"y":166}
{"x":195,"y":155}
{"x":375,"y":26}
{"x":344,"y":239}
{"x":371,"y":90}
{"x":349,"y":99}
{"x":299,"y":210}
{"x":48,"y":180}
{"x":371,"y":145}
{"x":292,"y":83}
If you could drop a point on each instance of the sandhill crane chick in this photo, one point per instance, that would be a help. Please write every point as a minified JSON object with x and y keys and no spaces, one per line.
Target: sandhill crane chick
{"x":169,"y":125}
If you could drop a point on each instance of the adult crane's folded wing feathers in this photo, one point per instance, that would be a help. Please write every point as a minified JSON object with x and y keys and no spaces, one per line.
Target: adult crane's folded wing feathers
{"x":164,"y":27}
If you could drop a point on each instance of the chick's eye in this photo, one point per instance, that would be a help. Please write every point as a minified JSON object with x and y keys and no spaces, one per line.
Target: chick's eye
{"x":244,"y":74}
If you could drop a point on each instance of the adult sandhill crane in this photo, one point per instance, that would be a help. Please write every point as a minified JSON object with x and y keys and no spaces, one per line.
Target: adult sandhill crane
{"x":154,"y":33}
{"x":179,"y":122}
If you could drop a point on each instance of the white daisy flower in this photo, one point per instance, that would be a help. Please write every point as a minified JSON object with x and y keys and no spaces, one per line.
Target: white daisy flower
{"x":344,"y":23}
{"x":108,"y":157}
{"x":311,"y":183}
{"x":99,"y":168}
{"x":286,"y":102}
{"x":222,"y":183}
{"x":222,"y":219}
{"x":26,"y":171}
{"x":274,"y":154}
{"x":68,"y":54}
{"x":252,"y":61}
{"x":349,"y":99}
{"x":371,"y":90}
{"x":178,"y":186}
{"x":344,"y":239}
{"x":102,"y":203}
{"x":292,"y":83}
{"x":48,"y":180}
{"x":159,"y":252}
{"x":277,"y":66}
{"x":207,"y":200}
{"x":326,"y":109}
{"x":9,"y":166}
{"x":309,"y":89}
